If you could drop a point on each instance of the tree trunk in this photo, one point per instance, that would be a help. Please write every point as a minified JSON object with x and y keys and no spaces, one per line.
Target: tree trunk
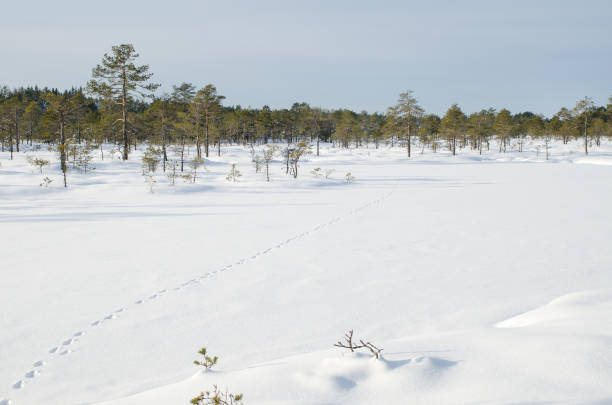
{"x":206,"y":142}
{"x":16,"y":131}
{"x":182,"y":153}
{"x":126,"y":146}
{"x":198,"y":146}
{"x":163,"y":141}
{"x":586,"y":137}
{"x":63,"y":151}
{"x":11,"y":142}
{"x":409,"y":144}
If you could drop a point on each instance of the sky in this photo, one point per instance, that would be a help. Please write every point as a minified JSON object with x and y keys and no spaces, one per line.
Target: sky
{"x":522,"y":55}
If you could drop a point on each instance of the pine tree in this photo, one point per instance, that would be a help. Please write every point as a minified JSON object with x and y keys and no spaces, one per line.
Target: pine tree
{"x":503,"y":127}
{"x":207,"y":104}
{"x":346,"y":128}
{"x":59,"y":111}
{"x":14,"y":109}
{"x":407,"y":111}
{"x":480,"y":126}
{"x":453,"y":125}
{"x":583,"y":109}
{"x":119,"y":78}
{"x":31,"y":115}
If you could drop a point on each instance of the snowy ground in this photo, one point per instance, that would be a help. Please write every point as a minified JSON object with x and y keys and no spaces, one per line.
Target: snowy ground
{"x":487,"y":280}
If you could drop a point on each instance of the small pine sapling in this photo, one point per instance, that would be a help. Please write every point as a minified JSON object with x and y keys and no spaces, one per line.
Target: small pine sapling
{"x":73,"y":152}
{"x":207,"y":362}
{"x":349,"y":178}
{"x":45,"y":182}
{"x":317,"y":172}
{"x":150,"y":160}
{"x":195,"y":163}
{"x":268,"y":155}
{"x":257,"y":162}
{"x":172,"y":171}
{"x":234,"y":174}
{"x":84,"y":160}
{"x":186,"y":177}
{"x":217,"y":397}
{"x":39,"y":163}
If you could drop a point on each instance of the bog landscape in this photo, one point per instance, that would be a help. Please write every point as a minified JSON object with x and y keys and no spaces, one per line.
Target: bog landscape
{"x":165,"y":245}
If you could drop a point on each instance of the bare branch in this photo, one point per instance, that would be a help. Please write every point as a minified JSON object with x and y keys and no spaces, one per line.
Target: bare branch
{"x":375,"y":350}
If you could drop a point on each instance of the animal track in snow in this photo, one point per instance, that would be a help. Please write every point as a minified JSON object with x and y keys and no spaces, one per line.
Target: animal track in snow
{"x":68,"y":342}
{"x":19,"y":385}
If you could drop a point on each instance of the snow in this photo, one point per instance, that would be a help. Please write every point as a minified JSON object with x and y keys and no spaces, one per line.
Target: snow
{"x":485,"y":279}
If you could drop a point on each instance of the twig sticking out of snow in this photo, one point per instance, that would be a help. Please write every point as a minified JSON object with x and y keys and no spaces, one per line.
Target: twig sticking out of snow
{"x":375,"y":350}
{"x":348,"y":344}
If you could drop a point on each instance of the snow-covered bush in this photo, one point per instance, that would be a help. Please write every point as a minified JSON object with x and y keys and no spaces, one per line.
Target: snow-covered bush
{"x":317,"y":172}
{"x":151,"y":159}
{"x":294,"y":156}
{"x":268,"y":155}
{"x":257,"y":162}
{"x":45,"y":182}
{"x":38,"y":163}
{"x":233,"y":174}
{"x":172,"y":171}
{"x":321,"y":174}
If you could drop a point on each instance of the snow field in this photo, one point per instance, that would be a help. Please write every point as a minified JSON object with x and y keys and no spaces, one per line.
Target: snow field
{"x":484,"y":278}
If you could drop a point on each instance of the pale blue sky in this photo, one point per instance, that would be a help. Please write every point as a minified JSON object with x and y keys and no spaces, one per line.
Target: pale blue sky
{"x":523,"y":55}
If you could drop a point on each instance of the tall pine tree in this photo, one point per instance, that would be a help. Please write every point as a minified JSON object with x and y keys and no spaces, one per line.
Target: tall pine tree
{"x":119,"y":78}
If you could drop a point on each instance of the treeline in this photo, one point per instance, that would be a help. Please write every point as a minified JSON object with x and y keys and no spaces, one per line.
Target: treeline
{"x":118,"y":105}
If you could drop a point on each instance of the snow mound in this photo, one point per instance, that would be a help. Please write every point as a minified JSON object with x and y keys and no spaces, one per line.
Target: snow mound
{"x":594,"y":161}
{"x":585,"y":308}
{"x":365,"y":373}
{"x":313,"y":378}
